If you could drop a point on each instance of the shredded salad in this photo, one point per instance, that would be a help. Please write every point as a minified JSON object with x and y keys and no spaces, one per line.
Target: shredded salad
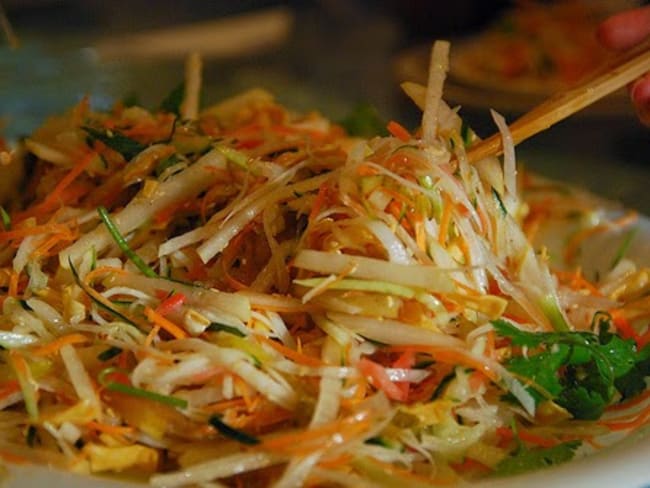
{"x":240,"y":295}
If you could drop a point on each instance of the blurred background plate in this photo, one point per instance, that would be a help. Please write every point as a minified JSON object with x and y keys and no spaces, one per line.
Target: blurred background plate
{"x":468,"y":88}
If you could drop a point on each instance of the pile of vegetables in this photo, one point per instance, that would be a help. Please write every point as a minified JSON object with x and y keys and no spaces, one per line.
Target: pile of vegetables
{"x":242,"y":295}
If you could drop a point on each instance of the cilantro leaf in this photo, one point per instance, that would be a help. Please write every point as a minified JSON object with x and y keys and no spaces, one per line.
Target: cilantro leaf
{"x":583,"y":403}
{"x":580,"y":371}
{"x":124,"y":145}
{"x":542,"y":370}
{"x":526,"y":460}
{"x":633,"y":382}
{"x":364,"y":121}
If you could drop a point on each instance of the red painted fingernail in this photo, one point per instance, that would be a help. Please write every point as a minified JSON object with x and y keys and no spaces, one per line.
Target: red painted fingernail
{"x":640,"y":91}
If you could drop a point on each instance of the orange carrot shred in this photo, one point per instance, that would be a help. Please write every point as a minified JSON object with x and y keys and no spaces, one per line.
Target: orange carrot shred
{"x":54,"y":346}
{"x":379,"y":379}
{"x":13,"y":284}
{"x":398,"y":130}
{"x":151,"y":335}
{"x":295,"y":356}
{"x":157,"y":319}
{"x":321,"y":198}
{"x":449,"y":356}
{"x":55,"y":197}
{"x":445,"y":220}
{"x":625,"y":329}
{"x":119,"y":430}
{"x":531,"y":438}
{"x":641,"y":419}
{"x":10,"y":457}
{"x":9,"y":388}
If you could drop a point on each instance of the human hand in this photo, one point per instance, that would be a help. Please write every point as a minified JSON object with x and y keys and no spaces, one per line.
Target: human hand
{"x":620,"y":32}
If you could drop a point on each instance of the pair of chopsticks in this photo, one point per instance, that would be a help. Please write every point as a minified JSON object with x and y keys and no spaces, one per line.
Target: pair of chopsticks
{"x":623,"y":69}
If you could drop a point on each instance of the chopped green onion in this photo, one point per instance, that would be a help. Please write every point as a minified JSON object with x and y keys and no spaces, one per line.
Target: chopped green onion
{"x":234,"y":156}
{"x":101,"y":377}
{"x":93,"y":258}
{"x":123,"y":245}
{"x":425,"y":181}
{"x":27,"y":384}
{"x":466,"y":133}
{"x":172,"y":401}
{"x":374,"y":341}
{"x":169,"y":400}
{"x":100,"y":304}
{"x":502,"y":207}
{"x":375,"y":441}
{"x":405,"y":146}
{"x":233,"y":433}
{"x":6,"y":218}
{"x":109,"y":353}
{"x":31,"y":437}
{"x":442,"y":385}
{"x":623,"y":248}
{"x":370,"y":183}
{"x":374,"y":286}
{"x":173,"y":101}
{"x":384,"y":442}
{"x":120,"y":143}
{"x":599,"y":321}
{"x":425,"y":363}
{"x":217,"y":327}
{"x":552,"y":311}
{"x":166,"y":163}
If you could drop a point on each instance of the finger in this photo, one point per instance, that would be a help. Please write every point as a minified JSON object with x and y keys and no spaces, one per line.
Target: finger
{"x":626,"y":29}
{"x":640,"y":94}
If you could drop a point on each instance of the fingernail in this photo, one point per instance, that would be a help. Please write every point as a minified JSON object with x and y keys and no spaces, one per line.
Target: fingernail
{"x":640,"y":92}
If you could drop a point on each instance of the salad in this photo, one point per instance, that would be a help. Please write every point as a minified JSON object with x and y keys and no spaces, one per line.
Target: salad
{"x":240,"y":295}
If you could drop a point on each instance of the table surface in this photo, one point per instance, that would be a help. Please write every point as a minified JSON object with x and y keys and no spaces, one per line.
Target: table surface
{"x":336,"y":56}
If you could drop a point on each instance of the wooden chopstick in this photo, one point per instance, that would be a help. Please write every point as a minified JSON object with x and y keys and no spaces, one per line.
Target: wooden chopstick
{"x":5,"y":26}
{"x":622,"y":70}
